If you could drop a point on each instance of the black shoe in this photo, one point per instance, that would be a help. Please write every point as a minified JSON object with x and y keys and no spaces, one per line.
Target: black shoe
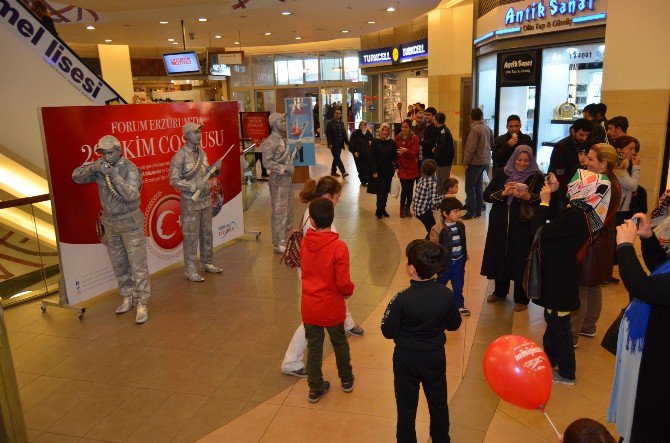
{"x":470,"y":216}
{"x":348,"y":386}
{"x":378,"y":214}
{"x":334,"y":174}
{"x":345,"y":175}
{"x":384,"y":213}
{"x":316,"y":394}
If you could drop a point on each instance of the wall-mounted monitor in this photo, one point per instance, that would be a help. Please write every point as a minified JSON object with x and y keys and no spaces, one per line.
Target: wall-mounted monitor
{"x":216,"y":66}
{"x":181,"y":63}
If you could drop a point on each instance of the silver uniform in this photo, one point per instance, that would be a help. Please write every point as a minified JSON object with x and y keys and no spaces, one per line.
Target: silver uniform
{"x":278,"y":160}
{"x":188,"y":169}
{"x":124,"y":226}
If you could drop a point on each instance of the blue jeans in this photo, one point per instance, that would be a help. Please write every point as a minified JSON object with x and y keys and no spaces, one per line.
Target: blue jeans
{"x":474,"y":200}
{"x":456,"y":274}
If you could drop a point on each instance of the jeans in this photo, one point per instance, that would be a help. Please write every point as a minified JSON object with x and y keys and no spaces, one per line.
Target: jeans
{"x":456,"y":274}
{"x":337,"y":161}
{"x":502,"y":289}
{"x":428,"y":368}
{"x":381,"y":201}
{"x":406,"y":192}
{"x":474,"y":200}
{"x":443,"y":173}
{"x":428,"y":221}
{"x":585,"y":318}
{"x":557,"y":343}
{"x":315,"y":335}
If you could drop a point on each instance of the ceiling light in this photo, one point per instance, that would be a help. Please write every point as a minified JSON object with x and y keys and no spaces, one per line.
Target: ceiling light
{"x":286,"y":13}
{"x":202,"y":19}
{"x":236,"y":43}
{"x":170,"y":39}
{"x":108,"y":41}
{"x":371,"y":22}
{"x":217,"y":36}
{"x":297,"y":38}
{"x":90,"y":27}
{"x":390,"y":9}
{"x":268,"y":33}
{"x":163,"y":22}
{"x":344,"y":31}
{"x":175,"y":43}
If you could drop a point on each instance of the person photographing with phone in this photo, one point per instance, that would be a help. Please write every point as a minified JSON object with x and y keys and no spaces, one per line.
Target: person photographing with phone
{"x":513,"y":192}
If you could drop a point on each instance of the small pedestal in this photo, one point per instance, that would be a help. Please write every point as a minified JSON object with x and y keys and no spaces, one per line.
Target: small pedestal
{"x":301,"y":174}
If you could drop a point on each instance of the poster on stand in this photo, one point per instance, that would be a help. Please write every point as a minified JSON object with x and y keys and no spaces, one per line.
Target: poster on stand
{"x":300,"y":123}
{"x":255,"y":126}
{"x":150,"y":135}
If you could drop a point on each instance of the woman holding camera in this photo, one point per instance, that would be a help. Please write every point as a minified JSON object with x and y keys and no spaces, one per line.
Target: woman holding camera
{"x":514,"y":191}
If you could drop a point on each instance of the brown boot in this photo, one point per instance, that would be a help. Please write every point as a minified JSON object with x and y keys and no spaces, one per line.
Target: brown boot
{"x":408,"y":214}
{"x":402,"y":212}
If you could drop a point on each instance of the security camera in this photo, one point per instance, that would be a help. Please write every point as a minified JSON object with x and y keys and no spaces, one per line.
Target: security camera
{"x":191,"y":35}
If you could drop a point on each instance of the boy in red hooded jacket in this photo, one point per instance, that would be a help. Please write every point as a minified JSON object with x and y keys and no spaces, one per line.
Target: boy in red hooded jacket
{"x":324,"y":260}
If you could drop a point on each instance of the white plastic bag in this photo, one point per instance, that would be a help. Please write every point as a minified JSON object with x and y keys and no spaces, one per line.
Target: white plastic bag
{"x":395,"y":187}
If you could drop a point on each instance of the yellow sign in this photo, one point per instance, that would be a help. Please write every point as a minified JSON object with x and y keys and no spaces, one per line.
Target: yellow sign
{"x":395,"y":55}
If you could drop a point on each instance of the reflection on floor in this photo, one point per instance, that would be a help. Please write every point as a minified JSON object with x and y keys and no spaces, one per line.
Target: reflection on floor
{"x":206,"y":365}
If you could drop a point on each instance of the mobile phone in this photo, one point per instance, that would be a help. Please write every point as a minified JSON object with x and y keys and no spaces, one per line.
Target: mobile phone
{"x":636,"y":220}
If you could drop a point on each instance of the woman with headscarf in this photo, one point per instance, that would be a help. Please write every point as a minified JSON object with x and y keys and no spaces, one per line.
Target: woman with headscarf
{"x":560,"y":242}
{"x":408,"y":165}
{"x":383,"y":158}
{"x":639,"y":401}
{"x":508,"y":239}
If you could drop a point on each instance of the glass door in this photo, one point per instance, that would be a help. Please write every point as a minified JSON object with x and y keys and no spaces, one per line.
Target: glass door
{"x":354,"y":107}
{"x":331,"y":100}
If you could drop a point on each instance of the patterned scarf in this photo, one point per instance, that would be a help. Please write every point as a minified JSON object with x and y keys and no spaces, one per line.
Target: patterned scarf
{"x":591,"y":192}
{"x":662,"y":232}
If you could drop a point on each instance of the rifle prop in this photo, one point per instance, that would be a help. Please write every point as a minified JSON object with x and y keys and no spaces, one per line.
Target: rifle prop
{"x":210,"y":173}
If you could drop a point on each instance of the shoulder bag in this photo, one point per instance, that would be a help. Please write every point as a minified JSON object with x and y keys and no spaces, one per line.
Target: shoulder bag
{"x":532,"y":276}
{"x":525,"y":209}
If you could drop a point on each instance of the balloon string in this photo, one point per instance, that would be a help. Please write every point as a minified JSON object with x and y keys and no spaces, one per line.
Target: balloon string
{"x":551,"y":423}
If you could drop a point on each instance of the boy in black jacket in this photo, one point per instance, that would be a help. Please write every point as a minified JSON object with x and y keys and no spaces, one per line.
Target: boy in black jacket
{"x":416,"y":319}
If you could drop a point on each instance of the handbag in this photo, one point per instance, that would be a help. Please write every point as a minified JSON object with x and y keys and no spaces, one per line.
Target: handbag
{"x":532,"y":276}
{"x":526,"y":211}
{"x":611,"y":337}
{"x":395,"y":187}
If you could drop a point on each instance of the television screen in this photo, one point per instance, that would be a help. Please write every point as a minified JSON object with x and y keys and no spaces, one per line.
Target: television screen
{"x":181,"y":63}
{"x":216,"y":66}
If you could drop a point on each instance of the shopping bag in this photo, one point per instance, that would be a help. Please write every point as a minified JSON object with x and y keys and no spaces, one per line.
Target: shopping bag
{"x":395,"y":187}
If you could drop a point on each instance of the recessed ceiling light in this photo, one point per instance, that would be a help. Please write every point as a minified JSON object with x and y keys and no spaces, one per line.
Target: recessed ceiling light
{"x":170,"y":39}
{"x":344,"y":31}
{"x":286,"y":13}
{"x":108,"y":40}
{"x":202,"y":19}
{"x":90,"y":27}
{"x":217,"y":36}
{"x":390,"y":9}
{"x":371,"y":22}
{"x":175,"y":43}
{"x":268,"y":33}
{"x":236,"y":43}
{"x":297,"y":38}
{"x":163,"y":22}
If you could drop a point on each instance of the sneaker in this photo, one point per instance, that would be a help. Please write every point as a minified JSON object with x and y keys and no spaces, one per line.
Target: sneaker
{"x":348,"y":386}
{"x":469,"y":216}
{"x":334,"y":174}
{"x":518,"y":307}
{"x":301,"y":373}
{"x":316,"y":394}
{"x":464,"y":311}
{"x":279,"y":249}
{"x":142,"y":314}
{"x":587,"y":334}
{"x":558,"y":378}
{"x":493,"y":298}
{"x":211,"y":268}
{"x":126,"y":306}
{"x":345,"y":175}
{"x":194,"y":277}
{"x":356,"y":330}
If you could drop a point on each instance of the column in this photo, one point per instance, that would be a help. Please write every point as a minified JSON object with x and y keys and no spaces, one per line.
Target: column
{"x":115,"y":65}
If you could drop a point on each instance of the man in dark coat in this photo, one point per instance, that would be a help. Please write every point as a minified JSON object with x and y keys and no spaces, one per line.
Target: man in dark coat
{"x":336,"y":135}
{"x":598,"y":133}
{"x":429,"y":139}
{"x":504,"y":145}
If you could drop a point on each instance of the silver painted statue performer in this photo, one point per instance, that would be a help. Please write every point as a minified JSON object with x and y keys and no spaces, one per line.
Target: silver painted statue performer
{"x":189,"y":173}
{"x":278,"y":159}
{"x":119,"y":185}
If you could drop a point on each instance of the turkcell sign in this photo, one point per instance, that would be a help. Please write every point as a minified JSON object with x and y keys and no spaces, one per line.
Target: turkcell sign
{"x":539,"y":10}
{"x":409,"y":51}
{"x":375,"y":56}
{"x":28,"y":29}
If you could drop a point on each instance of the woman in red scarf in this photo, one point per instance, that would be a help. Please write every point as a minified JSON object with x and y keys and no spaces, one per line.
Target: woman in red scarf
{"x":408,"y":165}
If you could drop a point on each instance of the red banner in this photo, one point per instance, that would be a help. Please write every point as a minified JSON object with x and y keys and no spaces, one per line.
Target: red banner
{"x":255,"y":126}
{"x":150,"y":135}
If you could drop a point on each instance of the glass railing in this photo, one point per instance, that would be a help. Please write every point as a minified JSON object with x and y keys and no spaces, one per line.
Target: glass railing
{"x":29,"y":262}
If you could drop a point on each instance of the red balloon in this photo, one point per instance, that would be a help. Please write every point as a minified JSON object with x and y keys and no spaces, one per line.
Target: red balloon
{"x":519,"y":371}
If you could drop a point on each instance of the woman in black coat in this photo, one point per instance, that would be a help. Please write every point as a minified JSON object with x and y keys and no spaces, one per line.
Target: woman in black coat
{"x":383,"y":157}
{"x":359,"y":145}
{"x":508,"y":238}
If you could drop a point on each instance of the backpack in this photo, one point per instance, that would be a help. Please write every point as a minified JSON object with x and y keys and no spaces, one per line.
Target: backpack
{"x":291,"y":256}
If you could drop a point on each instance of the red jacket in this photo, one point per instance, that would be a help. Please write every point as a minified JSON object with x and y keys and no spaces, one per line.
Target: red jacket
{"x":324,"y":261}
{"x":408,"y":162}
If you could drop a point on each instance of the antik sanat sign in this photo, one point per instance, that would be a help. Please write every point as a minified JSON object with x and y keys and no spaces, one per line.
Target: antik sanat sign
{"x":540,"y":11}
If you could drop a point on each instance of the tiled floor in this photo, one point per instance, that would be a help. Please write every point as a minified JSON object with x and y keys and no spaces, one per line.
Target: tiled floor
{"x":208,"y":360}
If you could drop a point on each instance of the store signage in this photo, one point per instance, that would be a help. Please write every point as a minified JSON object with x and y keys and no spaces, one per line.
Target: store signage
{"x":150,"y":135}
{"x":26,"y":27}
{"x":518,"y":69}
{"x":538,"y":16}
{"x":255,"y":126}
{"x":397,"y":54}
{"x":230,"y":58}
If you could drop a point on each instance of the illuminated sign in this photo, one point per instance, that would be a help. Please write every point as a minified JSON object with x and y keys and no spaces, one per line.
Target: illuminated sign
{"x":374,"y":56}
{"x":538,"y":10}
{"x":397,"y":54}
{"x":409,"y":51}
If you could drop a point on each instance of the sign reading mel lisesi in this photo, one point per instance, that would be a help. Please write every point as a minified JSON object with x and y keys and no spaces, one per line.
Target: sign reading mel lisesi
{"x":27,"y":27}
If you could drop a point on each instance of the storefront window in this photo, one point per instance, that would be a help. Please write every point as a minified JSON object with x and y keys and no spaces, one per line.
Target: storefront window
{"x":331,"y":66}
{"x":289,"y":69}
{"x":352,"y":72}
{"x":240,"y":75}
{"x":265,"y":101}
{"x":486,"y":87}
{"x":311,"y":68}
{"x":263,"y":70}
{"x":243,"y":100}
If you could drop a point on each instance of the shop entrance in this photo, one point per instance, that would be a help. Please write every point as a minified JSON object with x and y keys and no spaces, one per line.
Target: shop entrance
{"x":518,"y":100}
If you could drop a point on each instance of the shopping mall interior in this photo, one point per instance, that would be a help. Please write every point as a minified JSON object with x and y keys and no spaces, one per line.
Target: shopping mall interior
{"x":201,"y":354}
